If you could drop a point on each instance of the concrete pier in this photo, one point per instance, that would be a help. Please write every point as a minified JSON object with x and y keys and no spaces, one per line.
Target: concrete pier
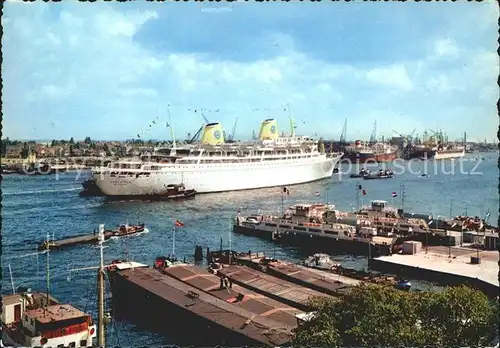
{"x":446,"y":266}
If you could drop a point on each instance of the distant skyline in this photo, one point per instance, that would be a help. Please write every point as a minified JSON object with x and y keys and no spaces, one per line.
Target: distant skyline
{"x":107,"y":70}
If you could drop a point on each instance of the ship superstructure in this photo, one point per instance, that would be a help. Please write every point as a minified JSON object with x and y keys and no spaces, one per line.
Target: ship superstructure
{"x":215,"y":166}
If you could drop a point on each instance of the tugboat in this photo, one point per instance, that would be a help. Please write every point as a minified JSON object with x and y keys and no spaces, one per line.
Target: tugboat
{"x":172,"y":192}
{"x":36,"y":319}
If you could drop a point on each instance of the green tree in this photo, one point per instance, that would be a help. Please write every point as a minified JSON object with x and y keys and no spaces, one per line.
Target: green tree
{"x":374,"y":315}
{"x":25,"y":150}
{"x":71,"y":141}
{"x":87,"y":140}
{"x":5,"y":142}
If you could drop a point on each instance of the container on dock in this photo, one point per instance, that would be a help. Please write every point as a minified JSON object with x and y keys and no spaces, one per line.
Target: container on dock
{"x":491,"y":242}
{"x":412,"y":247}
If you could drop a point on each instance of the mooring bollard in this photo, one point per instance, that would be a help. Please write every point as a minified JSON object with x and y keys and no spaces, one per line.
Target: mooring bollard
{"x":198,"y":253}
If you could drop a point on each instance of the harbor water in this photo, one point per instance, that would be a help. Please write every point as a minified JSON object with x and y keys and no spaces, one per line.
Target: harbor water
{"x":34,"y":206}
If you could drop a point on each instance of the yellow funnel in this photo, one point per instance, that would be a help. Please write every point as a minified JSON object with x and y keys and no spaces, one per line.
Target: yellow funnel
{"x":268,"y":130}
{"x":213,"y":134}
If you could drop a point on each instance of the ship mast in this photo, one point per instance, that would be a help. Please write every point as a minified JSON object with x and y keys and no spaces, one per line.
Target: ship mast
{"x":100,"y":285}
{"x":101,"y":341}
{"x":171,"y":128}
{"x":48,"y":270}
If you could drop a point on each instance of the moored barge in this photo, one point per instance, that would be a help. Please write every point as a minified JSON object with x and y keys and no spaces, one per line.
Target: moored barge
{"x":172,"y":306}
{"x":318,"y":227}
{"x":257,"y":303}
{"x":294,"y":295}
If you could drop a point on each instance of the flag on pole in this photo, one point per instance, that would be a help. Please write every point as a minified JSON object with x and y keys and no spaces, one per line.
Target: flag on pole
{"x":179,"y":223}
{"x":360,"y":187}
{"x":364,"y":192}
{"x":285,"y":190}
{"x":394,"y":194}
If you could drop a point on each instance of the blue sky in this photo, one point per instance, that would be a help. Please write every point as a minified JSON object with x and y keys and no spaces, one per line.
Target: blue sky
{"x":107,"y":70}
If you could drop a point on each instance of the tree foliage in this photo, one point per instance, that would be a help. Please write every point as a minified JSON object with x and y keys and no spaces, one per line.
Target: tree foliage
{"x":374,"y":315}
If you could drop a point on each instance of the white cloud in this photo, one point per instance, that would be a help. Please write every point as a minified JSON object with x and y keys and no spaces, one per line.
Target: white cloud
{"x":442,"y":84}
{"x":446,"y":47}
{"x":394,"y":76}
{"x":131,"y":92}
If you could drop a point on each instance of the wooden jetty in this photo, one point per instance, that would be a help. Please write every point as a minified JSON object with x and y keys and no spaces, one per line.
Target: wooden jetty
{"x":90,"y":238}
{"x":233,"y":293}
{"x":177,"y":307}
{"x":281,"y":290}
{"x":65,"y":242}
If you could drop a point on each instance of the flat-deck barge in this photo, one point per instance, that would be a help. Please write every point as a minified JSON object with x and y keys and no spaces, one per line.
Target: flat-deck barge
{"x":310,"y":278}
{"x":179,"y":308}
{"x":295,"y":295}
{"x":233,"y":293}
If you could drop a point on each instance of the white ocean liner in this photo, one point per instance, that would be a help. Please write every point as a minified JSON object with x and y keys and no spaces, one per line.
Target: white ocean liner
{"x":215,"y":166}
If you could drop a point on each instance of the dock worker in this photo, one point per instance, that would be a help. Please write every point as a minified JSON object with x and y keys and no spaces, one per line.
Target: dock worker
{"x":226,"y":282}
{"x":94,"y":232}
{"x":221,"y":283}
{"x":230,"y":283}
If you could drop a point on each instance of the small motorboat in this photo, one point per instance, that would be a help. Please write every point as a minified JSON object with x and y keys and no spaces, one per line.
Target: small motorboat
{"x":162,"y":262}
{"x":388,"y":174}
{"x":403,"y":284}
{"x":361,"y":174}
{"x":320,"y":261}
{"x":6,"y":170}
{"x":125,"y":230}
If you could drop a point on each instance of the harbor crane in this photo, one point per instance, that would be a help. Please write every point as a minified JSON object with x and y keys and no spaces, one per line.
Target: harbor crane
{"x":231,"y":137}
{"x":197,"y":134}
{"x":373,"y":136}
{"x":343,"y":135}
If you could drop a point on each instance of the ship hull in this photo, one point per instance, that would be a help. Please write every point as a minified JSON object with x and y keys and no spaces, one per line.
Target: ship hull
{"x":359,"y":157}
{"x":219,"y":178}
{"x":64,"y":341}
{"x":425,"y":154}
{"x":449,"y":154}
{"x":386,"y":157}
{"x":356,"y":157}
